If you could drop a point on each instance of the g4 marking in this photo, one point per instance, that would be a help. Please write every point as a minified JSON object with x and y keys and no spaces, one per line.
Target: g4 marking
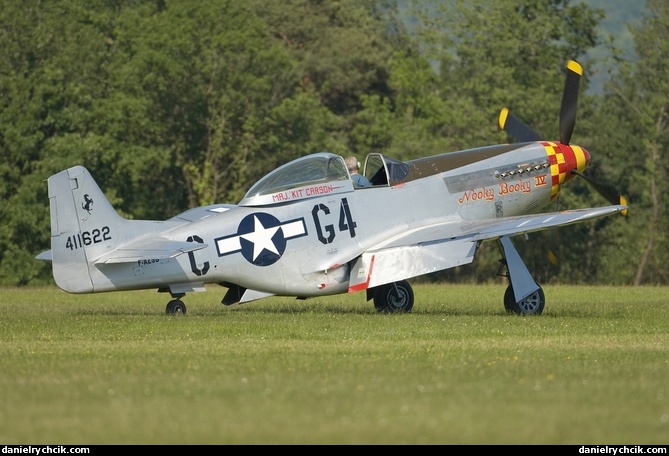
{"x":346,"y":222}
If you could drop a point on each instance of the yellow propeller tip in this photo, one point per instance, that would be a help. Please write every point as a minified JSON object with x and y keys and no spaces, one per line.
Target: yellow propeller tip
{"x":504,"y":113}
{"x":623,"y":202}
{"x":552,"y":258}
{"x":574,"y":66}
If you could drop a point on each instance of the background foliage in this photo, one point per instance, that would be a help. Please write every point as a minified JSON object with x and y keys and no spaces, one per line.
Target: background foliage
{"x":174,"y":103}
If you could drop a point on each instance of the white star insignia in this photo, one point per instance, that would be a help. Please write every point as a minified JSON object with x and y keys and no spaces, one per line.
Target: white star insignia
{"x":261,"y":238}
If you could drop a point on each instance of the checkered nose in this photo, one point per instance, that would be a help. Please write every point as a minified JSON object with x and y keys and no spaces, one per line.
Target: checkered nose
{"x":576,"y":158}
{"x":564,"y":159}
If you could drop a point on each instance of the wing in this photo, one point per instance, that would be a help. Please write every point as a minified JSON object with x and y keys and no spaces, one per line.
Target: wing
{"x":496,"y":228}
{"x":158,"y":248}
{"x":446,"y":245}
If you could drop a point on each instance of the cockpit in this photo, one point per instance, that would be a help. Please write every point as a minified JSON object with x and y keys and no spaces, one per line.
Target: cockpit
{"x":309,"y":176}
{"x":318,"y":174}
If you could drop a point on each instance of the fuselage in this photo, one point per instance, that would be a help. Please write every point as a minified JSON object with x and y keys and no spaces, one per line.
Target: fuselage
{"x":299,"y":240}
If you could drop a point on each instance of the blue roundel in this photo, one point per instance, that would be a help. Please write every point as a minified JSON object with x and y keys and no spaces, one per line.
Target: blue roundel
{"x":261,"y":239}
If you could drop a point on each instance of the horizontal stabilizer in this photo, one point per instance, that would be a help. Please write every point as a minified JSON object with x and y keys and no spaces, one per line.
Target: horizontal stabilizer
{"x":47,"y":255}
{"x":148,"y":249}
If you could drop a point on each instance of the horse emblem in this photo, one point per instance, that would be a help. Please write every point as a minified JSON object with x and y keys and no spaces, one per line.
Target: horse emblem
{"x":88,"y":204}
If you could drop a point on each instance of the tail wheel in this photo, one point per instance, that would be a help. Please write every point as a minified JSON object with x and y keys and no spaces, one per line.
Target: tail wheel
{"x":394,"y":297}
{"x":532,"y":304}
{"x":175,"y":307}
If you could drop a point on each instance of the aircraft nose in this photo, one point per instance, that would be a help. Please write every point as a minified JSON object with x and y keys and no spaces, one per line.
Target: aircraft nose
{"x":566,"y":161}
{"x":573,"y":158}
{"x":582,"y":158}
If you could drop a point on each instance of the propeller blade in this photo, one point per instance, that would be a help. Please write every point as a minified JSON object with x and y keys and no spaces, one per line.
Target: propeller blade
{"x":608,"y":193}
{"x":569,"y":101}
{"x":516,"y":128}
{"x":553,"y":246}
{"x":553,"y":258}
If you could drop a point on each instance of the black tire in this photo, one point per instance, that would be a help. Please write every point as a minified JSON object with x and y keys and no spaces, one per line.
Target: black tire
{"x":175,"y":307}
{"x":394,"y":297}
{"x":531,"y":305}
{"x":509,"y":300}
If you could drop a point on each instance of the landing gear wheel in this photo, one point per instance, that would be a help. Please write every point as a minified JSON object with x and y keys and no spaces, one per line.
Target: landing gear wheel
{"x":532,"y":304}
{"x":394,"y":297}
{"x":175,"y":307}
{"x":509,"y":300}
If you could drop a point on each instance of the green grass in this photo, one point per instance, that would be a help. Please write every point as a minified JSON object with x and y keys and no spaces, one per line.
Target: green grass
{"x":113,"y":368}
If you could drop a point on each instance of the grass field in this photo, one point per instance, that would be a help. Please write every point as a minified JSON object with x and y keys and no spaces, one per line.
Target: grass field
{"x":114,"y":369}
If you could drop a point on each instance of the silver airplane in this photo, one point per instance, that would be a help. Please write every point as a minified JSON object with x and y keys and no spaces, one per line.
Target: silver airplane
{"x":304,"y":230}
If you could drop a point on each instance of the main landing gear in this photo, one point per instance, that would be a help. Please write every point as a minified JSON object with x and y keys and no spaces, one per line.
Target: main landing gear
{"x":532,"y":304}
{"x":176,"y":306}
{"x":521,"y":283}
{"x":392,"y":297}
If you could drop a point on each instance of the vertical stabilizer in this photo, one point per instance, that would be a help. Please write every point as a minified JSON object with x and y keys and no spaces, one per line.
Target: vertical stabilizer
{"x":84,"y":225}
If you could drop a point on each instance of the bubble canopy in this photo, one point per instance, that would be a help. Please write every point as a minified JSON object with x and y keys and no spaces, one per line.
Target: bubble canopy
{"x":311,"y":171}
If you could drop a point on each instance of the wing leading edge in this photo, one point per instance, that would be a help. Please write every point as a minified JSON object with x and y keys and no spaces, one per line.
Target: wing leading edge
{"x":450,"y":244}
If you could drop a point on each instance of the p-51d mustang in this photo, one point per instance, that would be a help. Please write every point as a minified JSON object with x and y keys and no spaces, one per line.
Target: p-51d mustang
{"x":304,"y":230}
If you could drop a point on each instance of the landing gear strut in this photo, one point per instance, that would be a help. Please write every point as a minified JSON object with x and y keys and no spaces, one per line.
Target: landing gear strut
{"x":521,"y":283}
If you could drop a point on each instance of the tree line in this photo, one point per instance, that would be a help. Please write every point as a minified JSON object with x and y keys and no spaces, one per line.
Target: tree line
{"x":173,"y":104}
